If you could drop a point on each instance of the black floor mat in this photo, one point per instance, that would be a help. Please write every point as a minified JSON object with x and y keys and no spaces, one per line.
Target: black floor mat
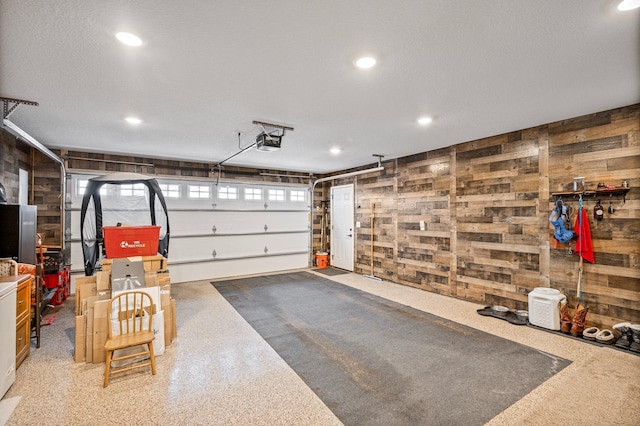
{"x":330,"y":271}
{"x":377,"y":362}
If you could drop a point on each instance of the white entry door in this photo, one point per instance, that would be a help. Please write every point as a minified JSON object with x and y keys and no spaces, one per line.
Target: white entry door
{"x":342,"y":235}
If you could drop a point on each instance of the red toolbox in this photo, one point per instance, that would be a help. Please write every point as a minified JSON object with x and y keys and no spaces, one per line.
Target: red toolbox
{"x":52,"y":280}
{"x":57,"y":279}
{"x":127,"y":241}
{"x":60,"y":296}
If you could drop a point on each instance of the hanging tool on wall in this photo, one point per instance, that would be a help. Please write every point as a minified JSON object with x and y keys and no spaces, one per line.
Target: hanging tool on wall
{"x":373,"y":217}
{"x":598,"y":211}
{"x":584,"y":249}
{"x":559,"y":218}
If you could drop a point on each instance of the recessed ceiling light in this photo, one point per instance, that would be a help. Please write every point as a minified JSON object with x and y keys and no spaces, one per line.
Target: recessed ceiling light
{"x":628,"y":5}
{"x":133,"y":120}
{"x":335,"y":151}
{"x":424,"y":121}
{"x":365,"y":62}
{"x":129,"y":39}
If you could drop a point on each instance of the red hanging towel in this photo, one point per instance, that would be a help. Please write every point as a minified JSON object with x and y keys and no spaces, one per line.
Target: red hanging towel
{"x":584,"y":246}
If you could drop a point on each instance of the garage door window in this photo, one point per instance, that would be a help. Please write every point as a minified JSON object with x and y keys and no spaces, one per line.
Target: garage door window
{"x":276,"y":195}
{"x":199,"y":191}
{"x":297,"y":195}
{"x":170,"y":190}
{"x":227,"y":193}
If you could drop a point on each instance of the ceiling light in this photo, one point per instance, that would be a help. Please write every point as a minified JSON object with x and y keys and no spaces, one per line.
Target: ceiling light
{"x":129,"y":39}
{"x":133,"y":120}
{"x":335,"y":151}
{"x":424,"y":121}
{"x":628,"y":5}
{"x":365,"y":62}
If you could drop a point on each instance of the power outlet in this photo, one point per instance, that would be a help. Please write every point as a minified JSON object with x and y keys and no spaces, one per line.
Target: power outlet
{"x":422,"y":225}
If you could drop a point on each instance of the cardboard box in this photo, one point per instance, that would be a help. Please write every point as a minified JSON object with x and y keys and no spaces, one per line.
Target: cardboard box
{"x":95,"y":304}
{"x":165,"y":296}
{"x":92,"y":299}
{"x":169,"y":318}
{"x":99,"y":353}
{"x":151,"y":263}
{"x":81,"y":329}
{"x":103,"y":281}
{"x":155,"y":263}
{"x":85,"y":287}
{"x":151,"y":279}
{"x":127,"y":275}
{"x":100,"y":330}
{"x":88,"y":347}
{"x":168,"y":336}
{"x":163,"y":278}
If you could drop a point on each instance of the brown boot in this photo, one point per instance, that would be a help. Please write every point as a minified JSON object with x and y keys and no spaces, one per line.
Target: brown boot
{"x":579,"y":320}
{"x":565,"y":318}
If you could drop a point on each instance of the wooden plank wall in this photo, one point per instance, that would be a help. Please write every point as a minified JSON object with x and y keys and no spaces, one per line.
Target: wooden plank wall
{"x":46,"y":188}
{"x":44,"y":184}
{"x":485,"y":206}
{"x":15,"y":156}
{"x":497,"y":208}
{"x":602,"y":147}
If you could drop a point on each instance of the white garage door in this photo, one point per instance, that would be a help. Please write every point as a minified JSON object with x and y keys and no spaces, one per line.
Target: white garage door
{"x":224,"y":229}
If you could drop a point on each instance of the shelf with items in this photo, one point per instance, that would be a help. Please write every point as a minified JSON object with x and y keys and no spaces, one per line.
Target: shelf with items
{"x":594,"y":193}
{"x":53,"y":258}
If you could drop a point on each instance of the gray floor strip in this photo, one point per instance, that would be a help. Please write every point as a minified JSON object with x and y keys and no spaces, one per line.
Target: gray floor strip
{"x":377,"y":362}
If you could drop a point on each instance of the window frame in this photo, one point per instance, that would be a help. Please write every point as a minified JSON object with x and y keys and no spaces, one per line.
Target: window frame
{"x":199,"y":191}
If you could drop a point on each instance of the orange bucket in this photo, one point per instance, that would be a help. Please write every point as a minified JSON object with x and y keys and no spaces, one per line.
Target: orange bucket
{"x":322,"y":260}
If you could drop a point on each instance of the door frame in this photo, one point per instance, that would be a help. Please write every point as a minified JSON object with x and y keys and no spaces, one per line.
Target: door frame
{"x":349,"y":266}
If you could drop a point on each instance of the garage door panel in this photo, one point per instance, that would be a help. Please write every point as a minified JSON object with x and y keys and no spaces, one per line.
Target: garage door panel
{"x":183,"y":249}
{"x":237,"y":222}
{"x":190,"y":222}
{"x":232,"y":268}
{"x":75,"y":221}
{"x":242,"y":230}
{"x":77,"y":259}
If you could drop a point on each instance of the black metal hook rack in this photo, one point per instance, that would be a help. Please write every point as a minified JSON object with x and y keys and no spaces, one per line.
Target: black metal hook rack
{"x":596,"y":193}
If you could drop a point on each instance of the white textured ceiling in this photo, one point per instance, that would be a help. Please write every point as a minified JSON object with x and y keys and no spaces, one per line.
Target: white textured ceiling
{"x":210,"y":67}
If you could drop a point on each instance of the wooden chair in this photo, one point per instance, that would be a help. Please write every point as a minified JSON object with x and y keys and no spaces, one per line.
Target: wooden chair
{"x":130,"y":325}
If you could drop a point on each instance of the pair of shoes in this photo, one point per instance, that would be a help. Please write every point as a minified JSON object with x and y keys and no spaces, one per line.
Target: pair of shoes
{"x":635,"y":335}
{"x":606,"y":337}
{"x":565,"y":318}
{"x":625,"y":335}
{"x":590,"y":333}
{"x":579,"y":319}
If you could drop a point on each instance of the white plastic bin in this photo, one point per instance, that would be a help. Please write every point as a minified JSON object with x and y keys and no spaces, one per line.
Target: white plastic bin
{"x":544,"y":307}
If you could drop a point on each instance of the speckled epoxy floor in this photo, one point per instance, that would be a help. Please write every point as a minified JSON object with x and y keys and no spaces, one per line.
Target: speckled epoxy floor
{"x":220,"y":372}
